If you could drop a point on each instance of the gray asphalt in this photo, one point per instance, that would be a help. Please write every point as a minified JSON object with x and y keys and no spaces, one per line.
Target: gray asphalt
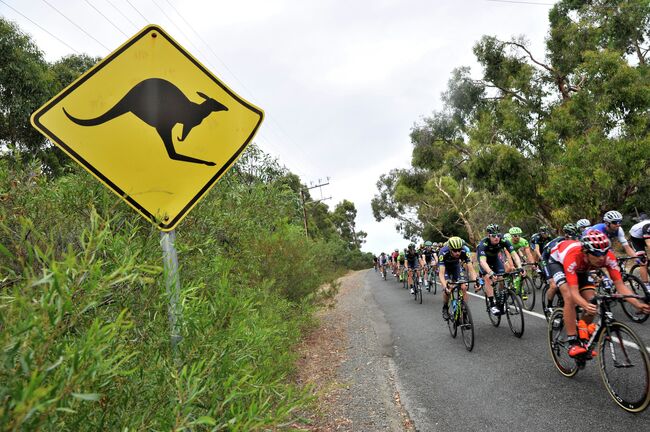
{"x":505,"y":382}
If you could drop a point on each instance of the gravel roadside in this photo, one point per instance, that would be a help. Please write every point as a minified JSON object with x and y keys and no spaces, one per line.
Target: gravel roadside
{"x":348,"y":359}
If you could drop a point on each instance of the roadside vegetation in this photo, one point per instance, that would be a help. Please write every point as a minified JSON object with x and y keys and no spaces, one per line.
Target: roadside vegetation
{"x":84,"y":331}
{"x":534,"y":137}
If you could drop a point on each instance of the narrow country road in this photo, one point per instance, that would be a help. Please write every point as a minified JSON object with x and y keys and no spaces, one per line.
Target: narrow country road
{"x":402,"y":370}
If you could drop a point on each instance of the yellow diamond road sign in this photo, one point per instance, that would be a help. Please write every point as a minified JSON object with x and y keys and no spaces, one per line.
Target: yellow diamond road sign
{"x":153,"y":124}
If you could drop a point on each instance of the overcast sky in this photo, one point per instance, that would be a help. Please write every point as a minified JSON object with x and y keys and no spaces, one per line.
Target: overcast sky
{"x":341,"y":82}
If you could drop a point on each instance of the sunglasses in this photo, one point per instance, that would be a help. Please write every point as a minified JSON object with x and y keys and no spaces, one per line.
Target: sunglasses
{"x":456,"y":250}
{"x":598,"y":253}
{"x":618,"y":222}
{"x":495,"y":235}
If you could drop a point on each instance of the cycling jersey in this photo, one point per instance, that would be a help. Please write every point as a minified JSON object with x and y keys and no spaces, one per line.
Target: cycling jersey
{"x":641,"y":230}
{"x":428,"y":255}
{"x":618,"y":234}
{"x":546,"y":252}
{"x":383,"y":260}
{"x":445,"y":258}
{"x":520,"y":244}
{"x":540,"y":240}
{"x":487,"y":249}
{"x":574,"y":260}
{"x":412,"y":259}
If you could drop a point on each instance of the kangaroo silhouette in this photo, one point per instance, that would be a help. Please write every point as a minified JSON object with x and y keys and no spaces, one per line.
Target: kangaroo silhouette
{"x":160,"y":104}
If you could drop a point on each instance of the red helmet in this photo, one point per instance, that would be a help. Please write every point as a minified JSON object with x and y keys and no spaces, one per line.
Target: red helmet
{"x":595,"y":242}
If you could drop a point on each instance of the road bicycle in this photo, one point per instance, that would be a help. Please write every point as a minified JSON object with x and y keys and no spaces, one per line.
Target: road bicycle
{"x":459,"y":314}
{"x":383,"y":272}
{"x":622,"y":356}
{"x":507,"y":301}
{"x":417,"y":288}
{"x":432,"y":280}
{"x":637,"y":286}
{"x":526,"y":290}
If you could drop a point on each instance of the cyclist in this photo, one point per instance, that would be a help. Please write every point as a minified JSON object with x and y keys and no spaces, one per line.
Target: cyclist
{"x":393,"y":261}
{"x":539,"y":240}
{"x":611,"y":227}
{"x":400,"y":264}
{"x":427,"y":260}
{"x":569,"y":264}
{"x":488,"y":255}
{"x":521,"y":245}
{"x":583,"y":225}
{"x":383,"y":262}
{"x":571,"y":232}
{"x":375,"y":260}
{"x":450,"y":259}
{"x":412,"y":263}
{"x":640,"y":239}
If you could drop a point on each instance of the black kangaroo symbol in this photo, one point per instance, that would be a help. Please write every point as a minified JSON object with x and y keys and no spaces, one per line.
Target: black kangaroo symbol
{"x":162,"y":105}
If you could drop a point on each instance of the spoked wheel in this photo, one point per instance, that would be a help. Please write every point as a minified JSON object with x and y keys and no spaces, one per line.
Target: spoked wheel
{"x":433,"y":284}
{"x":418,"y":293}
{"x":538,"y":279}
{"x":467,"y":327}
{"x":515,"y":313}
{"x":451,"y":323}
{"x":559,"y":346}
{"x":625,"y":367}
{"x":494,"y":319}
{"x":636,"y":285}
{"x":528,"y":293}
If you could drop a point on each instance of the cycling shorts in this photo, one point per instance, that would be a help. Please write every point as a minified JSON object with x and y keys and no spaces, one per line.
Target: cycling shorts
{"x":638,"y":244}
{"x":495,"y":264}
{"x":452,"y":272}
{"x":413,"y":264}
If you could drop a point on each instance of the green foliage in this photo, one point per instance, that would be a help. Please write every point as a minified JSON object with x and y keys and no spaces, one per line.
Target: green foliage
{"x":83,"y":309}
{"x":537,"y":139}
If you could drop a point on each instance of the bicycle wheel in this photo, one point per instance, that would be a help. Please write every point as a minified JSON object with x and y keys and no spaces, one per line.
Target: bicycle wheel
{"x":433,"y":283}
{"x":636,"y":285}
{"x":467,"y":326}
{"x":528,"y":293}
{"x":625,"y":367}
{"x":451,"y":322}
{"x":494,"y":319}
{"x":559,"y":346}
{"x":515,"y":313}
{"x":418,"y":293}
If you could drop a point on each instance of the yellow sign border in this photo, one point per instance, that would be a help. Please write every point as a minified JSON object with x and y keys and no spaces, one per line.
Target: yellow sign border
{"x":168,"y":226}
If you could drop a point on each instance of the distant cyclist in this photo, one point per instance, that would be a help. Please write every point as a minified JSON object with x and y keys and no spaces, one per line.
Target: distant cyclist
{"x":640,"y":239}
{"x":571,"y":232}
{"x":412,"y":265}
{"x":539,"y":240}
{"x":611,"y":227}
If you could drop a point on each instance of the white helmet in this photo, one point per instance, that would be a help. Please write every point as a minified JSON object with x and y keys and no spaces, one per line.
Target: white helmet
{"x":612,"y":216}
{"x":583,"y":223}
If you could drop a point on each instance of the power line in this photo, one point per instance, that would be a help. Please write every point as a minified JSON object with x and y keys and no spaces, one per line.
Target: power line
{"x":37,"y":25}
{"x":76,"y":25}
{"x":136,"y":9}
{"x":106,"y":18}
{"x":123,"y":14}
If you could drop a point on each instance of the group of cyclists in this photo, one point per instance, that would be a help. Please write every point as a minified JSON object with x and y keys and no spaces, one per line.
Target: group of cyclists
{"x":565,"y":262}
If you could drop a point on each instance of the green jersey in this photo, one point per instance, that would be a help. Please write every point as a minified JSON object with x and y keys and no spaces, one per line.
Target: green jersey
{"x":518,"y":245}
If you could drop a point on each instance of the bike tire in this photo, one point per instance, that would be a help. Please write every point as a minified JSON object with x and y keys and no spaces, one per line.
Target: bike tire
{"x":559,"y":346}
{"x":637,"y":286}
{"x":451,"y":324}
{"x":514,"y":309}
{"x":419,"y":293}
{"x":467,"y":326}
{"x":494,"y":319}
{"x":528,"y":290}
{"x":619,"y":342}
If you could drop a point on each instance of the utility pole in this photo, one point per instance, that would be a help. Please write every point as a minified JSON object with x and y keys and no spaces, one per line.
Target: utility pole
{"x":304,"y":204}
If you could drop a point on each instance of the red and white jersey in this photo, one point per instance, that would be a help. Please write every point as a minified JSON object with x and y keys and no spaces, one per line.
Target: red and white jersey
{"x":569,"y":253}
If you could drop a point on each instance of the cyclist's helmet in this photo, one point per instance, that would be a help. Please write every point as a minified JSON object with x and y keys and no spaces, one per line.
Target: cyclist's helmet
{"x":571,"y":230}
{"x":396,"y":250}
{"x":411,"y":245}
{"x":455,"y":243}
{"x":544,"y":229}
{"x":515,"y":231}
{"x":428,"y":243}
{"x":595,"y":242}
{"x":612,"y":216}
{"x":492,"y":229}
{"x":583,"y":223}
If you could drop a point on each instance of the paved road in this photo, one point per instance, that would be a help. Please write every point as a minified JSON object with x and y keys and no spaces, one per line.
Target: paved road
{"x":505,"y":382}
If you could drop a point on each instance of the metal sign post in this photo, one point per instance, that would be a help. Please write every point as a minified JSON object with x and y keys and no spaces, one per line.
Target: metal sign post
{"x":172,"y":286}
